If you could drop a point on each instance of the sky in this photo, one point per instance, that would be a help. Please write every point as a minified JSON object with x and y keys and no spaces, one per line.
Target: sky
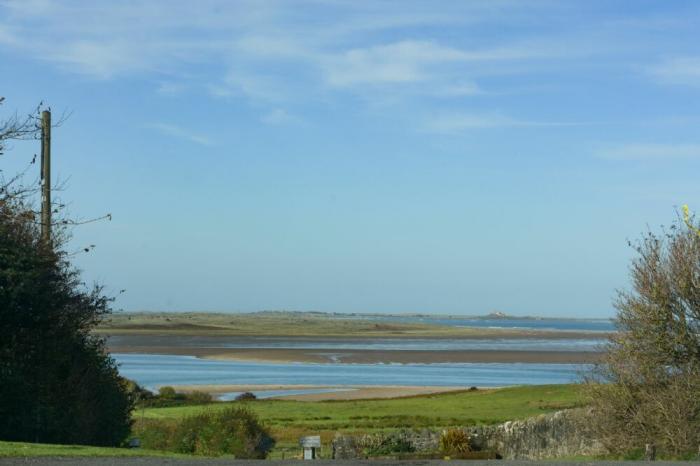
{"x":450,"y":157}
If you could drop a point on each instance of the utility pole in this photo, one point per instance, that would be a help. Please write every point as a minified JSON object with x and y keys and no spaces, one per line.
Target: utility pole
{"x":46,"y":177}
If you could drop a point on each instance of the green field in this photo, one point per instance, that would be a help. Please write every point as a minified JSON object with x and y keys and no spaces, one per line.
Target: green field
{"x":288,"y":324}
{"x":291,"y":419}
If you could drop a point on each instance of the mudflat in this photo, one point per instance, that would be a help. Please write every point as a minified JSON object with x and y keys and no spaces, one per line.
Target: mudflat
{"x":211,"y":348}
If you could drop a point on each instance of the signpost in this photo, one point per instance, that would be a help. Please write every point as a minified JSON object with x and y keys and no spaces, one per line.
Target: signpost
{"x":310,"y":444}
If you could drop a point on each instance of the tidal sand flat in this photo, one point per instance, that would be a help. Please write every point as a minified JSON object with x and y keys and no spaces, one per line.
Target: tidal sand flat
{"x":152,"y":371}
{"x":331,"y":358}
{"x":316,"y":392}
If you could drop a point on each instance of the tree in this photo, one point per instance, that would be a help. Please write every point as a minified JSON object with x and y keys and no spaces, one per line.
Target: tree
{"x":646,"y":390}
{"x":57,"y":382}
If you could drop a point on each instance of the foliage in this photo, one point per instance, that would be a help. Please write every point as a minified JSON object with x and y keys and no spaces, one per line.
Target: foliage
{"x":137,"y":393}
{"x":647,"y":388}
{"x":231,"y":431}
{"x":168,"y":397}
{"x":382,"y":444}
{"x":166,"y":392}
{"x":288,"y":419}
{"x":57,"y":382}
{"x":246,"y":396}
{"x":454,"y":441}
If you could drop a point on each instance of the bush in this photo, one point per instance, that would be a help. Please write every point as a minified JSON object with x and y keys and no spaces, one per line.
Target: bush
{"x":385,"y":444}
{"x":646,"y":390}
{"x":198,"y":398}
{"x":58,"y":384}
{"x":454,"y":441}
{"x":168,"y":397}
{"x":137,"y":392}
{"x":232,"y":431}
{"x":246,"y":396}
{"x":166,"y":392}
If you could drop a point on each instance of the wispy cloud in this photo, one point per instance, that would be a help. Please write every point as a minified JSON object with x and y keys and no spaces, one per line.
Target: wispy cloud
{"x":280,"y":116}
{"x":683,"y":70}
{"x":459,"y":122}
{"x":651,"y":151}
{"x":257,"y":40}
{"x":182,"y":133}
{"x":279,"y":52}
{"x":170,"y":88}
{"x":400,"y":62}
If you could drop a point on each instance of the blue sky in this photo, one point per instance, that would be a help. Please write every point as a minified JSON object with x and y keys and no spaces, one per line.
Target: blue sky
{"x":437,"y":157}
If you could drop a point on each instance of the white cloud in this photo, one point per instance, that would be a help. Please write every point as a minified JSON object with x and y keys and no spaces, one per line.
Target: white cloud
{"x":400,"y":62}
{"x":98,"y":59}
{"x":458,"y":89}
{"x":170,"y":88}
{"x":280,"y":116}
{"x":242,"y":82}
{"x":651,"y":151}
{"x":411,"y":61}
{"x":182,"y":133}
{"x":458,"y":122}
{"x":683,"y":70}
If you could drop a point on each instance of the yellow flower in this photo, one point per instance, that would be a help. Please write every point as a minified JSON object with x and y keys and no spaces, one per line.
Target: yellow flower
{"x":688,"y":220}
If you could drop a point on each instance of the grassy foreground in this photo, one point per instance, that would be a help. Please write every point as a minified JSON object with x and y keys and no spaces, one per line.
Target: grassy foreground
{"x":290,"y":420}
{"x":290,"y":324}
{"x":22,"y":449}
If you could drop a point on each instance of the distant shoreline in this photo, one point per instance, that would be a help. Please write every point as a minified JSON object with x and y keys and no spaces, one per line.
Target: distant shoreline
{"x":312,"y":325}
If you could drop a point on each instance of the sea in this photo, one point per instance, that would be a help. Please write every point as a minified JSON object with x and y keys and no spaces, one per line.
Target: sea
{"x":153,"y":370}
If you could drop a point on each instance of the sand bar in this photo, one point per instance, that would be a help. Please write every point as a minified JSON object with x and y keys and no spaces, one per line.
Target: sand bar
{"x":283,"y":355}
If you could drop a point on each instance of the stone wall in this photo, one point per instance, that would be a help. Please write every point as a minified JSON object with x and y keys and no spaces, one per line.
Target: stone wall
{"x":546,"y":436}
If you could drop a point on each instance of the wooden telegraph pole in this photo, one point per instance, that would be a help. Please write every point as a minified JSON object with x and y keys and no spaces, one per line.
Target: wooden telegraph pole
{"x":46,"y":177}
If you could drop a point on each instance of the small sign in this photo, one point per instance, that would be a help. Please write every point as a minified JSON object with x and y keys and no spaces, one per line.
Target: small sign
{"x":312,"y":441}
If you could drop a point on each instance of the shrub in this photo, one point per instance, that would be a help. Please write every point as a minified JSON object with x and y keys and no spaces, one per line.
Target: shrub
{"x":167,"y":397}
{"x":198,"y":398}
{"x":385,"y":444}
{"x":646,"y":389}
{"x":58,"y":384}
{"x":232,"y":431}
{"x":166,"y":392}
{"x":246,"y":396}
{"x":454,"y":441}
{"x":137,"y":392}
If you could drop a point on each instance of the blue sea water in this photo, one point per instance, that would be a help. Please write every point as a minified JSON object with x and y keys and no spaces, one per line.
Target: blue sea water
{"x":152,"y":371}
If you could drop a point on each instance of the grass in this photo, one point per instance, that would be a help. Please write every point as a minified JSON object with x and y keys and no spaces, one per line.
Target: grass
{"x":286,"y":324}
{"x":290,"y":420}
{"x":23,"y":449}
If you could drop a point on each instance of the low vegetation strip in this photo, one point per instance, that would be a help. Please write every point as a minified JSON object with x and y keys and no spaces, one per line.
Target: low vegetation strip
{"x":293,"y":324}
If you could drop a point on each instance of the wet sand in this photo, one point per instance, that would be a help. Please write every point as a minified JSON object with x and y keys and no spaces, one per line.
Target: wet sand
{"x":326,"y":351}
{"x":357,"y":393}
{"x":282,"y":355}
